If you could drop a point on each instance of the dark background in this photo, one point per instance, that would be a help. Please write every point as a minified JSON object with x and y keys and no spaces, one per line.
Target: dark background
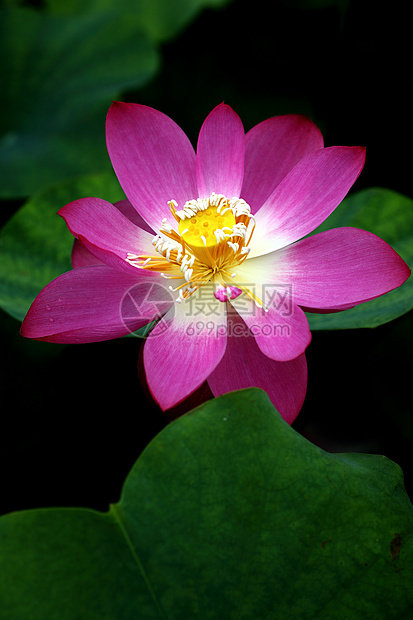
{"x":75,"y":418}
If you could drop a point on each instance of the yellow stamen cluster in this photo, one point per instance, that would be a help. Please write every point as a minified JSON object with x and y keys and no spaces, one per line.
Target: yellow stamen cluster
{"x":206,"y":228}
{"x":211,"y":243}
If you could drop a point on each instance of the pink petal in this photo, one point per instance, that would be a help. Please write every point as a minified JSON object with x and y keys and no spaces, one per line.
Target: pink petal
{"x":91,"y":304}
{"x":106,"y":232}
{"x":281,"y":335}
{"x":220,"y":153}
{"x":335,"y":269}
{"x":243,"y":365}
{"x":153,"y":160}
{"x":272,"y":149}
{"x":125,"y":207}
{"x":306,"y":197}
{"x":81,"y":257}
{"x":182,"y":351}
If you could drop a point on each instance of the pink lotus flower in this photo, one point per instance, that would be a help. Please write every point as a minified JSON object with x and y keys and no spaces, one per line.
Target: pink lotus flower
{"x":227,"y":223}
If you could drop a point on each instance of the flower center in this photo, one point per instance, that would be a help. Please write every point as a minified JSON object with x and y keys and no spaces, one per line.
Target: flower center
{"x":211,"y":243}
{"x":205,"y":228}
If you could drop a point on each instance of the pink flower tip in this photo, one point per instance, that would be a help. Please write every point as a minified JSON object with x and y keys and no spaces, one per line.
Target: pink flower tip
{"x":223,"y":293}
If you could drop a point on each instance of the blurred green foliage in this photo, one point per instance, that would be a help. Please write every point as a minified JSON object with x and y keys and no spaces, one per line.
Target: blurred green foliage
{"x":35,"y":245}
{"x":62,"y":66}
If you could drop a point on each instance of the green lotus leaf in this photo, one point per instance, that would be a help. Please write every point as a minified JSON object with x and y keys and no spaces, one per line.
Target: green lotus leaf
{"x":228,"y":513}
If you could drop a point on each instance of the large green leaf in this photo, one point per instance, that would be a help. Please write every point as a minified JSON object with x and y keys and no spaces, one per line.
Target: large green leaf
{"x":228,"y":513}
{"x":389,"y":215}
{"x":61,"y":68}
{"x":35,"y":245}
